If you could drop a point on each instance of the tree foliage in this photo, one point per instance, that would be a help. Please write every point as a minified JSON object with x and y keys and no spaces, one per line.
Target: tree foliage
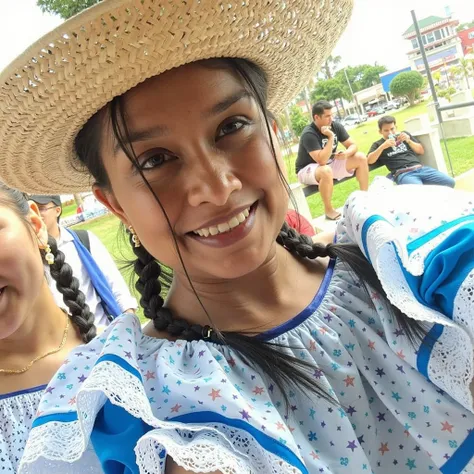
{"x":65,"y":8}
{"x":464,"y":26}
{"x":362,"y":76}
{"x":407,"y":84}
{"x":329,"y":67}
{"x":331,"y":89}
{"x":298,"y":120}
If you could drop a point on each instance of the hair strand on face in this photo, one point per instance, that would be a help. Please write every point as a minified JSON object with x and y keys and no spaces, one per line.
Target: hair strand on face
{"x":283,"y":369}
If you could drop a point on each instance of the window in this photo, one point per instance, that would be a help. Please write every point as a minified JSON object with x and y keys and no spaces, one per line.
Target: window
{"x":430,"y":37}
{"x":470,"y":35}
{"x":414,"y":43}
{"x":424,"y":39}
{"x":437,"y":34}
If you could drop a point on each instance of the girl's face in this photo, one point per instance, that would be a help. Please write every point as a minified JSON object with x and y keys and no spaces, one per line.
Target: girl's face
{"x":21,"y":267}
{"x":203,"y":146}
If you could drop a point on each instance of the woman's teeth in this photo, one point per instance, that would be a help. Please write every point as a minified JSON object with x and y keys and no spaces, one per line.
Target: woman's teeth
{"x":224,"y":227}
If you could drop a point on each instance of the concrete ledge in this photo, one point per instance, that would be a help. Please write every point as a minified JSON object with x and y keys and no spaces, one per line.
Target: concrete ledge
{"x":321,"y":224}
{"x":465,"y":181}
{"x":457,"y":127}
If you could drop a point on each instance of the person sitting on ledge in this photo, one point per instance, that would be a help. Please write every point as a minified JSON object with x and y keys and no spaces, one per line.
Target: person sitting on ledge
{"x":319,"y":162}
{"x":400,"y":152}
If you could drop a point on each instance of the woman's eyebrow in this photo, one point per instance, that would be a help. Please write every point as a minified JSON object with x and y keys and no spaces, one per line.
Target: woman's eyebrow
{"x":141,"y":135}
{"x":157,"y":131}
{"x":227,"y":102}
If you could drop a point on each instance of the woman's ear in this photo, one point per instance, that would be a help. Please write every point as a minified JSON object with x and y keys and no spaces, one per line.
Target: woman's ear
{"x":38,"y":225}
{"x":107,"y":198}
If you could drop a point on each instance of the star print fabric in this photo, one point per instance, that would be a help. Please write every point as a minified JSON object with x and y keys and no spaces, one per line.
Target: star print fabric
{"x":136,"y":400}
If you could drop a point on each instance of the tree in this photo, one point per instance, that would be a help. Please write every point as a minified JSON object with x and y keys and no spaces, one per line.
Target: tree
{"x":466,"y":69}
{"x":331,"y":90}
{"x":298,"y":120}
{"x":464,"y":26}
{"x":65,"y":8}
{"x":407,"y":84}
{"x":329,"y":67}
{"x":79,"y":200}
{"x":447,"y":93}
{"x":362,"y":76}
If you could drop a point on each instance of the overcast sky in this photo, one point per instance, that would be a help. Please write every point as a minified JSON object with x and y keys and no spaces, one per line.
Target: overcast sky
{"x":374,"y":33}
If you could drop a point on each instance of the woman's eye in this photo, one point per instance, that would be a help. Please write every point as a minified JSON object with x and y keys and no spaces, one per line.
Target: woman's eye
{"x":154,"y":160}
{"x":231,"y":127}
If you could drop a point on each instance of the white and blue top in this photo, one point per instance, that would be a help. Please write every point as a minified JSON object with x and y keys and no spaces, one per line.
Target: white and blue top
{"x":125,"y":401}
{"x":17,"y":412}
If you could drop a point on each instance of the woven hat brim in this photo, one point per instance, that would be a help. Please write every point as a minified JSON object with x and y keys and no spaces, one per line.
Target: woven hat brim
{"x":49,"y":92}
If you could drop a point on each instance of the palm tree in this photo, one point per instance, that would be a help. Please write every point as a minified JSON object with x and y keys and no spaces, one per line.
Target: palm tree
{"x":465,"y":67}
{"x":330,"y":66}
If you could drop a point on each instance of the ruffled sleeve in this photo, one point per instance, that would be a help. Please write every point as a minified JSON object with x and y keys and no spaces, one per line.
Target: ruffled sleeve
{"x":420,"y":241}
{"x":134,"y":400}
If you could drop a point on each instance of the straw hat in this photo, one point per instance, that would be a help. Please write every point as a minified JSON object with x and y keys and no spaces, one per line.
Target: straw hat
{"x":49,"y":92}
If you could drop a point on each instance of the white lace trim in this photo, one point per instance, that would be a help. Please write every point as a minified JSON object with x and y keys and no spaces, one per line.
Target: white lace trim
{"x":197,"y":448}
{"x":451,"y":361}
{"x":382,"y":232}
{"x":216,"y":447}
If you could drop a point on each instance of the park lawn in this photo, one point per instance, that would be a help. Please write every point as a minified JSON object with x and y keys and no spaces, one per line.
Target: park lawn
{"x":69,"y":210}
{"x":461,"y":152}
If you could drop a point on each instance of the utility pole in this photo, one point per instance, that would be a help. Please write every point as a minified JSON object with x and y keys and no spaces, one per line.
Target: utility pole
{"x":354,"y":98}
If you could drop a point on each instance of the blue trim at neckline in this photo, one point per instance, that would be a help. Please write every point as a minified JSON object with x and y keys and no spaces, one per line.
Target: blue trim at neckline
{"x":306,"y":312}
{"x":22,"y":392}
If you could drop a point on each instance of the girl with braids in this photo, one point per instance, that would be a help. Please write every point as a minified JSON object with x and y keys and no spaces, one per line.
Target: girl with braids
{"x":35,"y":335}
{"x":269,"y":353}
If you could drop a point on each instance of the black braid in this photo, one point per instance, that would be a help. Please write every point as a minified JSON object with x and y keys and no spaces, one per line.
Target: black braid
{"x":353,"y":258}
{"x":255,"y":352}
{"x":301,"y":244}
{"x":73,"y":297}
{"x":285,"y":369}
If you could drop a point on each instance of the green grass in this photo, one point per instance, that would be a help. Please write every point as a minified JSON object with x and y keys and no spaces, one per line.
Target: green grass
{"x":461,"y":151}
{"x":69,"y":210}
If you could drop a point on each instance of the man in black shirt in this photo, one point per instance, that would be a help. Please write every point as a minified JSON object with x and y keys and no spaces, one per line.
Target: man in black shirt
{"x":399,"y":153}
{"x":319,"y":162}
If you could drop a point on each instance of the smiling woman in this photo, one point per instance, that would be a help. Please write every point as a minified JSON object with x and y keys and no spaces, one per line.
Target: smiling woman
{"x":35,"y":335}
{"x":271,"y":353}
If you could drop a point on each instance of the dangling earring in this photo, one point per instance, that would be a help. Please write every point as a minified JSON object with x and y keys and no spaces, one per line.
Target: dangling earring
{"x":48,"y":255}
{"x":135,"y":239}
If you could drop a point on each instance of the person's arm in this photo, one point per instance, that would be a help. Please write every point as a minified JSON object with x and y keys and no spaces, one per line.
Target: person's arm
{"x":114,"y":278}
{"x":311,"y":144}
{"x":351,"y":148}
{"x":376,"y":150}
{"x":412,"y":142}
{"x":344,"y":138}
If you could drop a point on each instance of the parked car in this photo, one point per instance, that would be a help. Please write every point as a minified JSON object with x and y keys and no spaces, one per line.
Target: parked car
{"x":376,"y":111}
{"x":351,"y":120}
{"x":391,"y":105}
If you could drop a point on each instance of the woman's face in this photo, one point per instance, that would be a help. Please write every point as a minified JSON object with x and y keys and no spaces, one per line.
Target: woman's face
{"x":203,"y":147}
{"x":21,"y":267}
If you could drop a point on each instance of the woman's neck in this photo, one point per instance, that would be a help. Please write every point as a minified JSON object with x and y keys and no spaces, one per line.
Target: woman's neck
{"x":45,"y":322}
{"x":275,"y":292}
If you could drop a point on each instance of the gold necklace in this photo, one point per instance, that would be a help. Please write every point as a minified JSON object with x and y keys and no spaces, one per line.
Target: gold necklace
{"x":36,"y":359}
